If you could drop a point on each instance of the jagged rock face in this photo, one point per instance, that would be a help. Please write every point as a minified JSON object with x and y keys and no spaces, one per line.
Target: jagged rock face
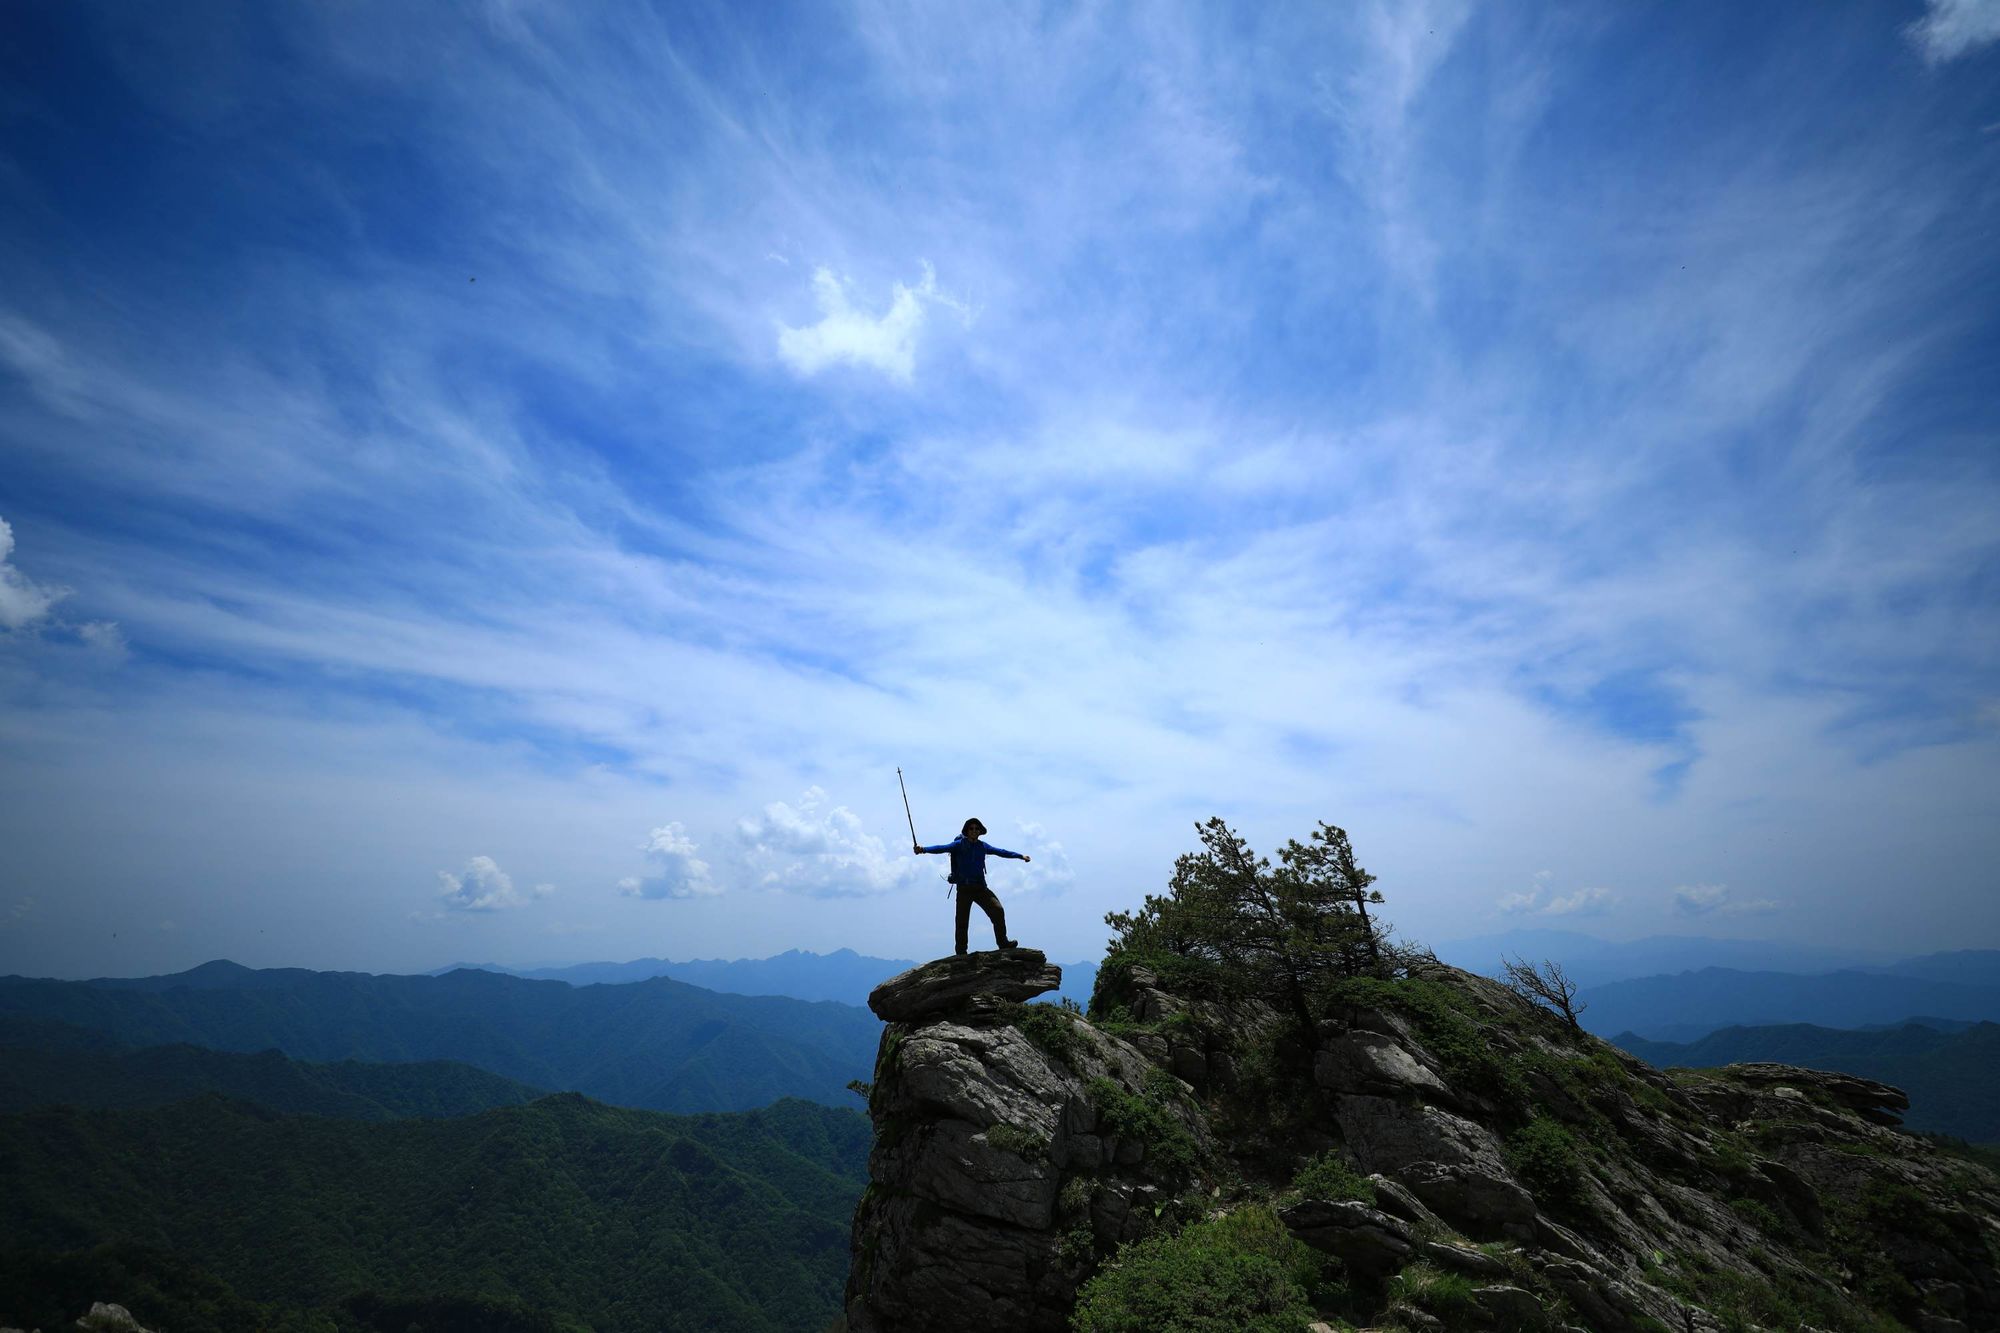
{"x":1645,"y":1201}
{"x":949,"y":983}
{"x":999,"y":1169}
{"x":1195,"y":1040}
{"x":1667,"y":1175}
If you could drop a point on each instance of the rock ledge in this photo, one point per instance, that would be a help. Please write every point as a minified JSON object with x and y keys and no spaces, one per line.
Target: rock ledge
{"x":947,"y":984}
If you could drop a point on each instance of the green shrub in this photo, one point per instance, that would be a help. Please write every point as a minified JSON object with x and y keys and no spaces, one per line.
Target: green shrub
{"x":1144,"y":1120}
{"x":1328,"y":1176}
{"x":1243,"y":1273}
{"x":1543,"y":1155}
{"x":1076,"y":1244}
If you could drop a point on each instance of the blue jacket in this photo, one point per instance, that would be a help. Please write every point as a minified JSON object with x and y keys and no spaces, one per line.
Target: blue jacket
{"x":968,"y":858}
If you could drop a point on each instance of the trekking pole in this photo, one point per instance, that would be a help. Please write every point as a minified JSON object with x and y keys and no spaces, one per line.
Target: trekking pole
{"x":913,"y":822}
{"x":906,"y":807}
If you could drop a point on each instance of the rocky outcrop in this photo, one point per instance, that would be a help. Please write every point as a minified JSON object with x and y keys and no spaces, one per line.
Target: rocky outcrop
{"x":1570,"y":1185}
{"x":953,"y":983}
{"x":1013,"y":1145}
{"x":1877,"y":1103}
{"x":1371,"y":1243}
{"x":1195,"y":1039}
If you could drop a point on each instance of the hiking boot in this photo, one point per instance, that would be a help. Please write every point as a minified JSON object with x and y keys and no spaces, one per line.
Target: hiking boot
{"x":1010,"y":944}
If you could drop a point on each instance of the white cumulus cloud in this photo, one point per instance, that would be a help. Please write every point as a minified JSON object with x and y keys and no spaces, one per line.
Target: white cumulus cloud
{"x":1536,"y":900}
{"x":679,"y":871}
{"x":1049,"y":872}
{"x":1518,"y":904}
{"x":1705,"y":899}
{"x":1700,"y":899}
{"x":1584,"y":902}
{"x":484,"y":887}
{"x":820,"y":849}
{"x":22,"y":600}
{"x":885,"y":342}
{"x":1950,"y":28}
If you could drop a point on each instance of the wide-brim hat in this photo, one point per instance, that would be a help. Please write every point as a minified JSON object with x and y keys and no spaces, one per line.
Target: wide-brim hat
{"x":972,"y":824}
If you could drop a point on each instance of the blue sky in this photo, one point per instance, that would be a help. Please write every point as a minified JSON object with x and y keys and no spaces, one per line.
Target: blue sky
{"x":513,"y":481}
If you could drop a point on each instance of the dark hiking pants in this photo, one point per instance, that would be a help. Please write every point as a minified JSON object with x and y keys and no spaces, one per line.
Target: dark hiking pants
{"x":968,"y":894}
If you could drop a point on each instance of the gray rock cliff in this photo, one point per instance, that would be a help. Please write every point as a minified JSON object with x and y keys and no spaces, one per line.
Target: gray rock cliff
{"x":1013,"y":1145}
{"x":1570,"y":1186}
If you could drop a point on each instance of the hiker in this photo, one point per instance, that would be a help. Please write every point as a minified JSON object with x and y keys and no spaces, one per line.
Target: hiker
{"x":968,"y":874}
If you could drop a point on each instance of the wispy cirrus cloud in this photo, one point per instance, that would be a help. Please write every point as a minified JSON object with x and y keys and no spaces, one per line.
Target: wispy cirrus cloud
{"x":1311,"y":456}
{"x":1953,"y":28}
{"x":23,"y":601}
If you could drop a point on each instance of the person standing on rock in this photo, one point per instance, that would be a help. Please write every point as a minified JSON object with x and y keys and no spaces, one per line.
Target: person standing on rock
{"x":968,"y":875}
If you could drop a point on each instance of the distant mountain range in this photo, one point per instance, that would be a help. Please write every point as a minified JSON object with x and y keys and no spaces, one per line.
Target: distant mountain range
{"x":1678,"y":988}
{"x":1593,"y":962}
{"x":659,"y":1044}
{"x":1952,"y":1072}
{"x":843,"y":975}
{"x":1967,"y":967}
{"x":1688,"y":1006}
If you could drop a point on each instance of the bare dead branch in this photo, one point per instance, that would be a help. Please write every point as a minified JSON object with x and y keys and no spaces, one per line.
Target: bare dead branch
{"x":1545,"y":984}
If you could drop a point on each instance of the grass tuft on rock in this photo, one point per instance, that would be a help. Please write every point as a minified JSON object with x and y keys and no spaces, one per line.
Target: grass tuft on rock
{"x":1051,"y":1028}
{"x":1329,"y":1177}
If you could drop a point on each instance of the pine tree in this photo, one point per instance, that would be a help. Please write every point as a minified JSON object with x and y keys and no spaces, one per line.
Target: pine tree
{"x":1285,"y":929}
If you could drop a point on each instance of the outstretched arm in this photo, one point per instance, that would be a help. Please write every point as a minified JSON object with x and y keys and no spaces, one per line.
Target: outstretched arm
{"x":991,"y":850}
{"x":941,"y":847}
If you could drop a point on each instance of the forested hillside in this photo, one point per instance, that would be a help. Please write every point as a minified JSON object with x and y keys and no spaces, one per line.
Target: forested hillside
{"x":658,"y":1044}
{"x":562,"y":1213}
{"x":156,"y":1075}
